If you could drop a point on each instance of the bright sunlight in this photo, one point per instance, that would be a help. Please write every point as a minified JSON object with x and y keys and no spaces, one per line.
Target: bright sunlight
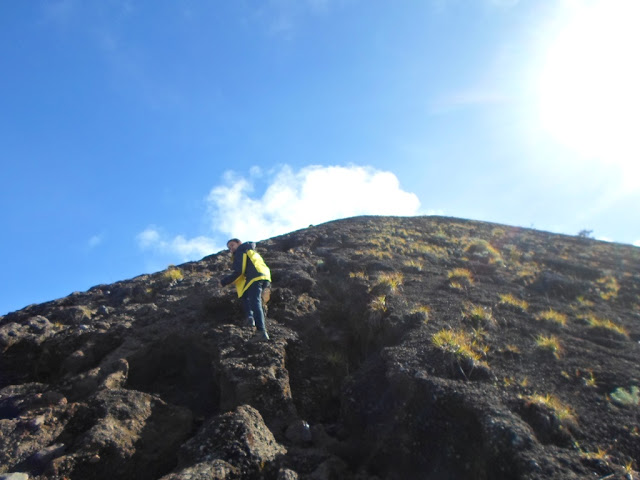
{"x":589,"y":86}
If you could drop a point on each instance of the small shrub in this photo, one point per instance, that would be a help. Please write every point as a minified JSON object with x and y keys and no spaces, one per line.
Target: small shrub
{"x":480,"y":249}
{"x":173,"y":273}
{"x":551,"y":344}
{"x":511,"y":301}
{"x":553,"y":317}
{"x":629,"y":397}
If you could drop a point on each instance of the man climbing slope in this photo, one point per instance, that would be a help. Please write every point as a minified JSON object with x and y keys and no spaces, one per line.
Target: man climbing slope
{"x":251,"y":276}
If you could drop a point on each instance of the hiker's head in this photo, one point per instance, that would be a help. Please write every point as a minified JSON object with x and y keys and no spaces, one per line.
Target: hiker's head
{"x":233,"y":245}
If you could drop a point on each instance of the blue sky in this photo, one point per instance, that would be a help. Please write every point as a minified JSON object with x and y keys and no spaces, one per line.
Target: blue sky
{"x":138,"y":134}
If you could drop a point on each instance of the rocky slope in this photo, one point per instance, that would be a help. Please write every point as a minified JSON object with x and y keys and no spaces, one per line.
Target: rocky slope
{"x":402,"y":348}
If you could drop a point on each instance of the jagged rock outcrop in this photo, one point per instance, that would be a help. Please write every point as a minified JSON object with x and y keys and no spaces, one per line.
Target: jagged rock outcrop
{"x":402,"y":348}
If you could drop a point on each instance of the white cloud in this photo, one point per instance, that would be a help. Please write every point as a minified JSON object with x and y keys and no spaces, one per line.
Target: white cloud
{"x":637,"y":243}
{"x":186,"y":249}
{"x":290,"y":200}
{"x":312,"y":195}
{"x":95,"y":241}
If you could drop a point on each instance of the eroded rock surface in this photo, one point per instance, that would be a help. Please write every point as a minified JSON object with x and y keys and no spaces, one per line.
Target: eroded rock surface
{"x":402,"y":348}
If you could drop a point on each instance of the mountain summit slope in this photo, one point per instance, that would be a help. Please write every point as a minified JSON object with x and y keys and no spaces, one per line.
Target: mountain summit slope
{"x":402,"y":348}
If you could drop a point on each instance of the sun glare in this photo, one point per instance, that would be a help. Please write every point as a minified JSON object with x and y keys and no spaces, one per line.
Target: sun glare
{"x":589,"y":87}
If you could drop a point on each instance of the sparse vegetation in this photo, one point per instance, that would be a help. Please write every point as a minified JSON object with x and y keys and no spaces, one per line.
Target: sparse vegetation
{"x":609,"y":287}
{"x":372,"y":252}
{"x":600,"y":454}
{"x":513,"y":302}
{"x":360,"y":275}
{"x":553,"y":317}
{"x":172,"y":273}
{"x":391,"y":281}
{"x":512,"y":349}
{"x":562,"y":412}
{"x":478,"y":315}
{"x":435,"y":251}
{"x":423,"y":310}
{"x":379,"y":303}
{"x":626,"y":397}
{"x":86,"y":312}
{"x":590,"y":380}
{"x":584,"y":302}
{"x":606,"y":324}
{"x":460,"y":278}
{"x":459,"y":343}
{"x":480,"y":249}
{"x":551,"y":344}
{"x":414,"y":264}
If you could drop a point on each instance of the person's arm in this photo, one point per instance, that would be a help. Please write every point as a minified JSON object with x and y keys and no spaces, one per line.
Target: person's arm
{"x":237,"y":271}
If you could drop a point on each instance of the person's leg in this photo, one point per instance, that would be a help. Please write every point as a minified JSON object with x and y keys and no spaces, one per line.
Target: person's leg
{"x":248,"y":311}
{"x":254,"y":301}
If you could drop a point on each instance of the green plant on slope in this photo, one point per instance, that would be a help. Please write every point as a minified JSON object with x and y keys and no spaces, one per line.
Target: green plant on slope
{"x":626,"y":397}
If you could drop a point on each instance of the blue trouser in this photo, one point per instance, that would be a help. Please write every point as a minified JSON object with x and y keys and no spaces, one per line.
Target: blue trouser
{"x":252,"y":303}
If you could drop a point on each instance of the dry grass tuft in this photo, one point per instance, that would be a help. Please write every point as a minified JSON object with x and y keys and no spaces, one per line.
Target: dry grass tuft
{"x":379,"y":304}
{"x":173,"y":273}
{"x":562,"y":412}
{"x":550,"y":343}
{"x":609,"y":287}
{"x":460,"y":278}
{"x":553,"y":317}
{"x":595,"y":322}
{"x":391,"y":281}
{"x":479,"y":315}
{"x":459,"y":343}
{"x":513,"y":302}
